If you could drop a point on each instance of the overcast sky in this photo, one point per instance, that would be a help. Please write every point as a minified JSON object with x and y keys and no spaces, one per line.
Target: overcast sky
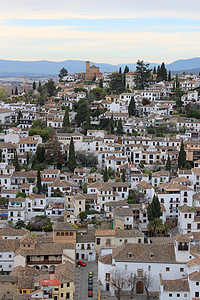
{"x":111,"y":31}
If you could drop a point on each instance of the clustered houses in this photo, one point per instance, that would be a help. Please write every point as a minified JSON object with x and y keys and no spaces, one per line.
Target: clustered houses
{"x":95,"y":220}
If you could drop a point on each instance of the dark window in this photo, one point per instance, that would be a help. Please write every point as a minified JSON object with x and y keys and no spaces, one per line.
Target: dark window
{"x":98,"y":241}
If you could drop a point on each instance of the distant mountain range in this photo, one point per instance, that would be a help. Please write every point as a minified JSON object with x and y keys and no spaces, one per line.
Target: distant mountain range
{"x":44,"y":67}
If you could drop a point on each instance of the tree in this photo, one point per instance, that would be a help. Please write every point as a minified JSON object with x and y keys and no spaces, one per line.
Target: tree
{"x":126,"y":69}
{"x":168,"y":164}
{"x":120,"y":70}
{"x":169,"y":76}
{"x":142,"y":75}
{"x":39,"y":184}
{"x":86,"y":160}
{"x":72,"y":158}
{"x":16,"y":162}
{"x":87,"y":123}
{"x":21,"y":194}
{"x":82,"y":110}
{"x":117,"y":83}
{"x":66,"y":123}
{"x":40,"y":154}
{"x":123,"y":176}
{"x":105,"y":175}
{"x":132,"y":282}
{"x":182,"y":157}
{"x":63,"y":73}
{"x":119,"y":279}
{"x":147,"y":280}
{"x":83,"y":215}
{"x":16,"y":91}
{"x":3,"y":95}
{"x":96,"y":94}
{"x":27,"y":158}
{"x":120,"y":127}
{"x":154,"y":70}
{"x":163,"y":72}
{"x":154,"y":210}
{"x":156,"y":226}
{"x":131,"y":107}
{"x":53,"y":150}
{"x":34,"y":85}
{"x":20,"y":224}
{"x":101,"y":83}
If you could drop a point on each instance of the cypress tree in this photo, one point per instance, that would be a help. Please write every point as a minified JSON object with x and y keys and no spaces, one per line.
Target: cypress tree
{"x":163,"y":72}
{"x":131,"y":107}
{"x":101,"y":83}
{"x":126,"y":69}
{"x":27,"y":158}
{"x":66,"y":122}
{"x":168,"y":164}
{"x":87,"y":123}
{"x":34,"y":85}
{"x":158,"y":78}
{"x":155,"y":210}
{"x":120,"y":127}
{"x":72,"y":158}
{"x":123,"y":176}
{"x":182,"y":157}
{"x":40,"y":84}
{"x":16,"y":162}
{"x":39,"y":185}
{"x":154,"y":70}
{"x":169,"y":76}
{"x":120,"y":70}
{"x":16,"y":91}
{"x":12,"y":92}
{"x":105,"y":175}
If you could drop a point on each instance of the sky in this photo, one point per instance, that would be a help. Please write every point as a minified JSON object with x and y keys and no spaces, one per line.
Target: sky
{"x":110,"y":31}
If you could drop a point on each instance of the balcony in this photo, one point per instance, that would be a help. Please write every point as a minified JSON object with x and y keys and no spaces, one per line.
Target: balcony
{"x":44,"y":262}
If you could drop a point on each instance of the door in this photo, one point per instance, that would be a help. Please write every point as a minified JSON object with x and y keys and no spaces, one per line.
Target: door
{"x":139,"y":287}
{"x":107,"y":287}
{"x":77,"y":255}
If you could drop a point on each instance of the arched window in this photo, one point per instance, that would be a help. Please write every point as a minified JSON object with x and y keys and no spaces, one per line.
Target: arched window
{"x":62,"y":233}
{"x":66,"y":233}
{"x":58,"y":233}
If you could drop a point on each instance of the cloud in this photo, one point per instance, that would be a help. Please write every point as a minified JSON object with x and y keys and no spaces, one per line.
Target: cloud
{"x":65,"y":42}
{"x":93,"y":9}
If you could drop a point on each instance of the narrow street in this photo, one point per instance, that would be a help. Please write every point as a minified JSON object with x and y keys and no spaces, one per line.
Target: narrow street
{"x":81,"y":281}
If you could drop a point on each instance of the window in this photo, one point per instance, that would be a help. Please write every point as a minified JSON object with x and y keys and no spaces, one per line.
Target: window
{"x":58,"y":233}
{"x":170,"y":295}
{"x":197,"y":283}
{"x":178,"y":295}
{"x":167,"y":269}
{"x":196,"y":294}
{"x":61,"y":285}
{"x":68,"y":284}
{"x":71,"y":233}
{"x":67,"y":295}
{"x":98,"y":241}
{"x":181,"y":269}
{"x":107,"y":276}
{"x":139,"y":241}
{"x":149,"y":268}
{"x":61,"y":294}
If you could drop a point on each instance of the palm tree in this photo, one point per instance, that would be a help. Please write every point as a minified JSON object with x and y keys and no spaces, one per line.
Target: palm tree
{"x":156,"y":226}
